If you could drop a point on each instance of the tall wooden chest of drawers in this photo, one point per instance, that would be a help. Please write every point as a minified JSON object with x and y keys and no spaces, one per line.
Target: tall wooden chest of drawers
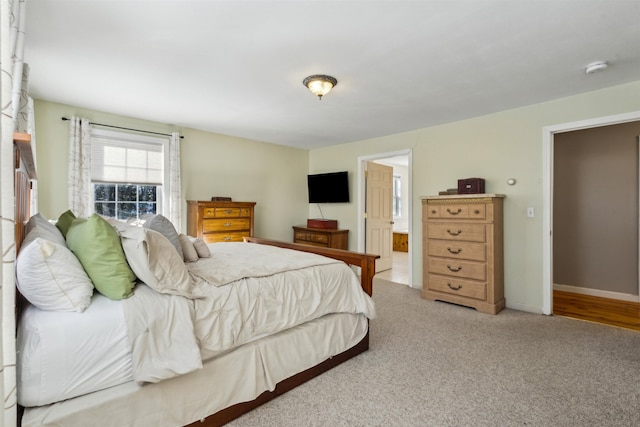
{"x":220,"y":221}
{"x":462,"y":243}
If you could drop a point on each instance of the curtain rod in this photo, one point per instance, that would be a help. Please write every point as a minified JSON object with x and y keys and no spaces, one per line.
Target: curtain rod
{"x":120,"y":127}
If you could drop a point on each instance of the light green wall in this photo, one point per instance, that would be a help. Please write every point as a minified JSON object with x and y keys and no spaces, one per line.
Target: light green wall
{"x":271,"y":175}
{"x":495,"y":147}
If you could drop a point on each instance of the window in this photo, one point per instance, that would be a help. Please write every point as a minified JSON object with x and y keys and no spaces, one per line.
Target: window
{"x":397,"y":196}
{"x":123,"y":201}
{"x":127,"y":173}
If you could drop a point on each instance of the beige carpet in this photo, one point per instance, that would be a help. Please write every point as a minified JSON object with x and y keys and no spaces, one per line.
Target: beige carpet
{"x":438,"y":364}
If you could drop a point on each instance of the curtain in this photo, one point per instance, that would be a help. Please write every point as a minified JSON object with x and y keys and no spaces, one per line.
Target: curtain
{"x":175,"y":186}
{"x":79,"y":180}
{"x":12,"y":19}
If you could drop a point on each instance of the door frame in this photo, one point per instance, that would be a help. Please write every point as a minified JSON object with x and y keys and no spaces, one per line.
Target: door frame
{"x":362,"y":162}
{"x":548,"y":133}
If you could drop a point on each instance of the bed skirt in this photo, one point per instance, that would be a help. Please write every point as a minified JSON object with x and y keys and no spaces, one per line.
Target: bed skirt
{"x":230,"y":378}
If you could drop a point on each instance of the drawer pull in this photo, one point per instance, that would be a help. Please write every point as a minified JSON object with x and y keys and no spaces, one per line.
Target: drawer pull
{"x":453,"y":233}
{"x":455,"y":288}
{"x":227,"y":224}
{"x":227,"y":238}
{"x":476,"y":211}
{"x":454,"y":213}
{"x":455,"y":252}
{"x":228,"y":211}
{"x":433,"y":211}
{"x":455,"y":270}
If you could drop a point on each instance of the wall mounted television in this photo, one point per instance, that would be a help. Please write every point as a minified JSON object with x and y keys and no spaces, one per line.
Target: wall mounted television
{"x":330,"y":187}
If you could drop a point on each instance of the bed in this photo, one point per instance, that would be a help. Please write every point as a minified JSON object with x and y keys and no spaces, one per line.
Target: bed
{"x":248,"y":322}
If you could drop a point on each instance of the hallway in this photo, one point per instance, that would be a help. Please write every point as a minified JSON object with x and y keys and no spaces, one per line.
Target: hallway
{"x":399,"y":272}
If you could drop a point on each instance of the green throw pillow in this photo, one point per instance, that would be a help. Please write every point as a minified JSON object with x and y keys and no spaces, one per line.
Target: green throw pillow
{"x":64,"y":222}
{"x":97,"y":245}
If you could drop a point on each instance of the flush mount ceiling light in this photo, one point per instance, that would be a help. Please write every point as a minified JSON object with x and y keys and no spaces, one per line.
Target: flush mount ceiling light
{"x":320,"y":84}
{"x":595,"y":67}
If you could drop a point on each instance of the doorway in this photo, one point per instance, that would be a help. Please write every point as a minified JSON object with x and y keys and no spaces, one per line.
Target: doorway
{"x":548,"y":193}
{"x":401,"y":264}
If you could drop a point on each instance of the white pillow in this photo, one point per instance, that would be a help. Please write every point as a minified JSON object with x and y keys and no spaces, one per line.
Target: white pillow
{"x":51,"y":277}
{"x":154,"y":260}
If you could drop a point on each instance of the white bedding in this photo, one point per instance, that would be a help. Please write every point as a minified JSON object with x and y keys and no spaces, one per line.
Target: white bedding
{"x":229,"y":378}
{"x":61,"y":355}
{"x":168,"y":336}
{"x":303,"y":287}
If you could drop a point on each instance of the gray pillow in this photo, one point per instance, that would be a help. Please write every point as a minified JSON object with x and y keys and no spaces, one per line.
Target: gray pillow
{"x":39,"y":226}
{"x":190,"y":253}
{"x":201,"y":247}
{"x":163,"y":226}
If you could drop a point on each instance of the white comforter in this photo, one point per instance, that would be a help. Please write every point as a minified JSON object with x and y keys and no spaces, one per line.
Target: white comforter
{"x":171,"y":335}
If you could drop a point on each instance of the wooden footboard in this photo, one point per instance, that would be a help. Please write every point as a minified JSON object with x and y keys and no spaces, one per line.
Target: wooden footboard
{"x":366,"y":262}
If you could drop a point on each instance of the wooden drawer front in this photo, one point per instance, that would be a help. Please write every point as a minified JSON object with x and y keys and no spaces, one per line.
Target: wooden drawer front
{"x":230,"y":224}
{"x":312,"y":237}
{"x":227,"y":212}
{"x":458,"y":250}
{"x":458,"y":268}
{"x":224,"y":237}
{"x":209,"y":213}
{"x":466,"y":232}
{"x":457,"y":211}
{"x":465,"y":288}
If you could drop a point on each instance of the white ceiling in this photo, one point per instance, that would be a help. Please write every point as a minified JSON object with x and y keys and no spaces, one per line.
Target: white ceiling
{"x":236,"y":67}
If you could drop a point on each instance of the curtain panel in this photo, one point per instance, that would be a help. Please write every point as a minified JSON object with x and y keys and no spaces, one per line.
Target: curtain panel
{"x":13,"y":74}
{"x":175,"y":186}
{"x":79,"y":178}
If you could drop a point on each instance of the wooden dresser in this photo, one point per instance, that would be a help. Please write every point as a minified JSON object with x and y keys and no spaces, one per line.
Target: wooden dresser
{"x":463,"y":250}
{"x":220,"y":221}
{"x":337,"y":239}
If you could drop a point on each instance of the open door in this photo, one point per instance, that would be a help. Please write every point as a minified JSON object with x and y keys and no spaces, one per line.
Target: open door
{"x":379,"y":214}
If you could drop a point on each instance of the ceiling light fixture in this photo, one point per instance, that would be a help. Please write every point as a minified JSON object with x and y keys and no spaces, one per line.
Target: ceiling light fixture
{"x":320,"y":84}
{"x":595,"y":67}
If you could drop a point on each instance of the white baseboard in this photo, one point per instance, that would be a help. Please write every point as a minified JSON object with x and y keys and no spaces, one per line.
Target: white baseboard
{"x":596,"y":292}
{"x":524,"y":307}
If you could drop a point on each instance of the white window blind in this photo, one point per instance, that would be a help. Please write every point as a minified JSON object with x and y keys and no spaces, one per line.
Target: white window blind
{"x":118,"y":157}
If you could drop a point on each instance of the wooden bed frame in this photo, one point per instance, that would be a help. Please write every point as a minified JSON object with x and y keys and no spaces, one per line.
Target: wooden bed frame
{"x":366,"y":263}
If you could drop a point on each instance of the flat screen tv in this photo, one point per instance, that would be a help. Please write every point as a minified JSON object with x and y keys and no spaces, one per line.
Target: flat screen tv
{"x":330,"y":187}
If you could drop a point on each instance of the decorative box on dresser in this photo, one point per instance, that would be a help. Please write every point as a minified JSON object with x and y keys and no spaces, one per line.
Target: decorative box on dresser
{"x":220,"y":221}
{"x":329,"y":238}
{"x":462,"y":241}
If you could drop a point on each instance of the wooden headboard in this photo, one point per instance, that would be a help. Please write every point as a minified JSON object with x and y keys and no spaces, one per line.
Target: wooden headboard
{"x":25,"y":171}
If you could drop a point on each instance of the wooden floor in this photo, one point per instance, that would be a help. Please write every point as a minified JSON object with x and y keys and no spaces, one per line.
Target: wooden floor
{"x":623,"y":314}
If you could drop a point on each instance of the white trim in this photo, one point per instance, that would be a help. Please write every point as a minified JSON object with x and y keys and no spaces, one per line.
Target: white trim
{"x":362,"y":162}
{"x":596,"y":292}
{"x":162,"y":202}
{"x":123,"y":135}
{"x":547,"y":192}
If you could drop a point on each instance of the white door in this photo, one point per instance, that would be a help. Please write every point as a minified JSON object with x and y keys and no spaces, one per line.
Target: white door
{"x":379,"y":215}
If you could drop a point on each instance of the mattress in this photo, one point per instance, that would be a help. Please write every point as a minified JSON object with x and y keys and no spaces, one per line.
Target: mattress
{"x":61,"y":355}
{"x":236,"y":376}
